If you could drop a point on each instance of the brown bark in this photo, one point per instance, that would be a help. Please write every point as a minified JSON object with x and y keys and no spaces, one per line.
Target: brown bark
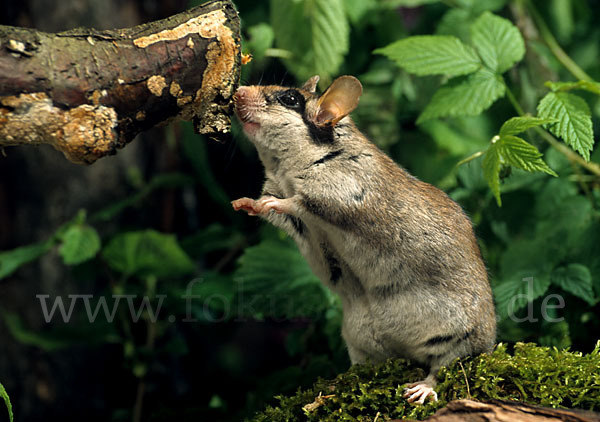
{"x":503,"y":411}
{"x":89,"y":92}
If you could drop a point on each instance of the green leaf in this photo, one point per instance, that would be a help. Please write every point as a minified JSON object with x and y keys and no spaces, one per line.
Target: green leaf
{"x":452,"y":139}
{"x":147,"y":253}
{"x":274,"y":280}
{"x":11,"y":260}
{"x":514,"y":151}
{"x":316,"y":32}
{"x":356,"y":9}
{"x":261,"y":38}
{"x":214,"y":285}
{"x":516,"y":125}
{"x":575,"y":279}
{"x":79,"y":243}
{"x":207,"y":298}
{"x":498,"y":42}
{"x":212,"y":238}
{"x":468,"y":97}
{"x":521,"y":154}
{"x":456,"y":22}
{"x":573,"y":120}
{"x":478,"y":6}
{"x":518,"y":291}
{"x":405,"y":3}
{"x":432,"y":55}
{"x":590,"y":86}
{"x":6,"y":399}
{"x":491,"y":170}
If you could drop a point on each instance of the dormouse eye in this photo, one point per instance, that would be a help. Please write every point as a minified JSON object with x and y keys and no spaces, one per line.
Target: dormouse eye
{"x":289,"y":99}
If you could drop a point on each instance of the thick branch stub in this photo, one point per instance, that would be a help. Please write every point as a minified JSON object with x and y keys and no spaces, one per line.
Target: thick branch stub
{"x":502,"y":411}
{"x":89,"y":92}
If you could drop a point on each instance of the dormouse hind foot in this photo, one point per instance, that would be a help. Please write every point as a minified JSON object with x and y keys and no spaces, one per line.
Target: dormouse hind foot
{"x":418,"y":392}
{"x":263,"y":205}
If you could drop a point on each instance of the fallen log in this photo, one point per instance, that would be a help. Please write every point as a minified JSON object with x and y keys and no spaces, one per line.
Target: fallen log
{"x":505,"y":411}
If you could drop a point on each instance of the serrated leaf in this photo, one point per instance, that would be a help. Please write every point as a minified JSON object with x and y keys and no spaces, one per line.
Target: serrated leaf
{"x":6,"y":399}
{"x":516,"y":125}
{"x":79,"y":243}
{"x":575,"y":279}
{"x":590,"y":86}
{"x":491,"y":170}
{"x":498,"y":42}
{"x":432,"y":55}
{"x":521,"y":154}
{"x":147,"y":253}
{"x":516,"y":293}
{"x":316,"y":32}
{"x":573,"y":120}
{"x":279,"y":282}
{"x":468,"y":97}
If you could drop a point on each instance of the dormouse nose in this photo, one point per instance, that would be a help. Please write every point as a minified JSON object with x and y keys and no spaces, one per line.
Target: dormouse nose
{"x":242,"y":93}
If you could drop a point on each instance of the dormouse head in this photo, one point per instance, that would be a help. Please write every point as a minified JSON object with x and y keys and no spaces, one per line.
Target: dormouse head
{"x":273,"y":116}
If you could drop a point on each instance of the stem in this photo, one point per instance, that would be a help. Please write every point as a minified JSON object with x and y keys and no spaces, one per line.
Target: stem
{"x":513,"y":100}
{"x":138,"y":406}
{"x":470,"y":158}
{"x":139,"y":402}
{"x":568,"y":152}
{"x":562,"y":148}
{"x":279,"y":53}
{"x":553,"y":45}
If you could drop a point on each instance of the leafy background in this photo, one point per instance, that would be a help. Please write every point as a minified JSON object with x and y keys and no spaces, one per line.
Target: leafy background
{"x":476,"y":97}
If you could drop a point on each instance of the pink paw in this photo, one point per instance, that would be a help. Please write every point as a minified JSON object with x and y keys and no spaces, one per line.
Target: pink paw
{"x":419,"y":392}
{"x":245,"y":204}
{"x":268,"y":203}
{"x":261,"y":206}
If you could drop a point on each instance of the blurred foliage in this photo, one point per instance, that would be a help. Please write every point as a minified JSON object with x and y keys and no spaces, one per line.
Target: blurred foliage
{"x":6,"y":400}
{"x":474,"y":96}
{"x":530,"y":374}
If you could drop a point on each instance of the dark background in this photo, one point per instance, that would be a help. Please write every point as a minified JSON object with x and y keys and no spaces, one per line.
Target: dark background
{"x":226,"y":370}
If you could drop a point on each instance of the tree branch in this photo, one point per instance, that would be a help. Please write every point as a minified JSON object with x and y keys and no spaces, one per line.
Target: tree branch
{"x":500,"y":411}
{"x":89,"y":92}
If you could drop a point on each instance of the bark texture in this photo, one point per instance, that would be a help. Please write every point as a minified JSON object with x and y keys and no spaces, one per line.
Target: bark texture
{"x":502,"y":411}
{"x":88,"y":92}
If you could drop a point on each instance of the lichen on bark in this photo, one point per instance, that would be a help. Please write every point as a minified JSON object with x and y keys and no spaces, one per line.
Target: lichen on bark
{"x":89,"y":92}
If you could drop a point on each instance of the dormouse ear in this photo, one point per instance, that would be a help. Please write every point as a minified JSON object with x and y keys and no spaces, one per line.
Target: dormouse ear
{"x":338,"y":101}
{"x":311,"y":84}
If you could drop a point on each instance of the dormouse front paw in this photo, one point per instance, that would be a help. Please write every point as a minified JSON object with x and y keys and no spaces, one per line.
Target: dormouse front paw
{"x":263,"y":205}
{"x":280,"y":206}
{"x":418,"y":392}
{"x":245,"y":204}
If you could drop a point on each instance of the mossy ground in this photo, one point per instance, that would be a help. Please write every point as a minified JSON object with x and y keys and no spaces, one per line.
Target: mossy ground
{"x":529,"y":373}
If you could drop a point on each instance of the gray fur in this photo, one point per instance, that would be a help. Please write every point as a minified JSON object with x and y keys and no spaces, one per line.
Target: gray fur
{"x":402,"y":254}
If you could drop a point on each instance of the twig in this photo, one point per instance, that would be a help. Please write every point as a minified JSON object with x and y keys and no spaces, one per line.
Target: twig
{"x":466,"y":380}
{"x":553,"y":45}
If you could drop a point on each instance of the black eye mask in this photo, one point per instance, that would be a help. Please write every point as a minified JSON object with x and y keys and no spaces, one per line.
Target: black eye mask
{"x":291,"y":99}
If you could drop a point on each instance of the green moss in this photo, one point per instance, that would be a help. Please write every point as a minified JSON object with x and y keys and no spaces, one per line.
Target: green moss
{"x":531,"y":374}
